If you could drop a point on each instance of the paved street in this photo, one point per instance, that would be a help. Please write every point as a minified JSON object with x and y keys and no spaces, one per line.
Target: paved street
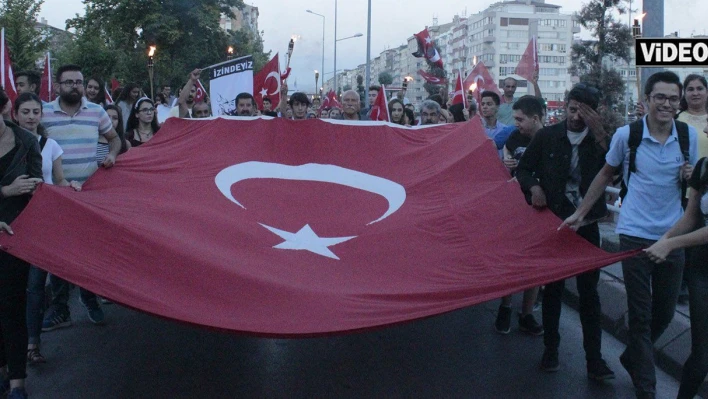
{"x":456,"y":355}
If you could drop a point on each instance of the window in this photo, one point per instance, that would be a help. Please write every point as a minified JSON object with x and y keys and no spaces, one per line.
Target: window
{"x":518,"y":34}
{"x":505,"y":58}
{"x":519,"y":21}
{"x":547,"y":35}
{"x":505,"y":71}
{"x":504,"y":22}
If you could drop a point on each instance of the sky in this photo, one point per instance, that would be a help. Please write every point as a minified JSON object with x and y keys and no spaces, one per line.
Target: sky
{"x":391,"y":25}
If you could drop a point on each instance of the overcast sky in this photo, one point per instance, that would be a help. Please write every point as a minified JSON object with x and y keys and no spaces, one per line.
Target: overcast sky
{"x":392,"y":24}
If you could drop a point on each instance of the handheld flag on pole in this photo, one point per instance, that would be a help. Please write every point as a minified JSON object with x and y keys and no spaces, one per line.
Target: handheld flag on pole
{"x":379,"y":110}
{"x":426,"y":48}
{"x":46,"y":91}
{"x":6,"y":76}
{"x":528,"y":64}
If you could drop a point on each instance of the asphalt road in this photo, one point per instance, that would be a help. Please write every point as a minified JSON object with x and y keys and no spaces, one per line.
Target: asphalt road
{"x":455,"y":355}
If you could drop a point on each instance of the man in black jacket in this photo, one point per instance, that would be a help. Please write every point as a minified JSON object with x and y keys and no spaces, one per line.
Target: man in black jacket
{"x":556,"y":170}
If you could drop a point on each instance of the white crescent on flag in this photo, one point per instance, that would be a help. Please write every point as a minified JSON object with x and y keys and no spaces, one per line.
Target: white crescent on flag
{"x":276,"y":76}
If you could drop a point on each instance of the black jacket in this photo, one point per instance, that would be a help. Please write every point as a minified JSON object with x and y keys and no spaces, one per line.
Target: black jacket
{"x":546,"y":162}
{"x":27,"y":161}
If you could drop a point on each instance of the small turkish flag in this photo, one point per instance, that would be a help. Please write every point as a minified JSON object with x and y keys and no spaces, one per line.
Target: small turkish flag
{"x":200,"y":95}
{"x":430,"y":78}
{"x":379,"y":109}
{"x":109,"y":97}
{"x":528,"y":64}
{"x":114,"y":84}
{"x":426,"y":48}
{"x":45,"y":90}
{"x":330,"y":101}
{"x":459,"y":97}
{"x":7,"y":78}
{"x":266,"y":83}
{"x":480,"y":80}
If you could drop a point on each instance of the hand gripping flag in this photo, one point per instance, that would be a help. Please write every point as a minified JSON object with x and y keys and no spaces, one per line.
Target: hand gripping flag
{"x":426,"y":48}
{"x":267,"y":82}
{"x":528,"y":64}
{"x":379,"y":109}
{"x":46,"y":91}
{"x":430,"y":78}
{"x":7,"y":78}
{"x":480,"y":80}
{"x":459,"y":96}
{"x":289,"y":228}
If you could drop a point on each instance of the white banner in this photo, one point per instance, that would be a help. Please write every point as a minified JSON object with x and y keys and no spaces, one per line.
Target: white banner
{"x":227,"y":80}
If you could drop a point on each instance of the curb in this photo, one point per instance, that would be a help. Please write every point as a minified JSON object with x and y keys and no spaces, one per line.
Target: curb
{"x":674,"y":346}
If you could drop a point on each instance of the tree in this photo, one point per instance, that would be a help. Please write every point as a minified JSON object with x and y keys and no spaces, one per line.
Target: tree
{"x":438,"y":73}
{"x":25,"y":41}
{"x":612,"y":40}
{"x":385,"y":78}
{"x":186,"y":37}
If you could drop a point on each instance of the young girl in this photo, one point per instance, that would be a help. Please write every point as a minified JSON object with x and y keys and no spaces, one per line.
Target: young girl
{"x":142,"y":122}
{"x":116,"y":116}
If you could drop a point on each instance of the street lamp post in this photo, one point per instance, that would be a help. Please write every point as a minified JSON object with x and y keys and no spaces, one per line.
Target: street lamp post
{"x":335,"y":55}
{"x":151,"y":68}
{"x":368,"y":56}
{"x":317,"y":81}
{"x":323,"y":40}
{"x":335,"y":47}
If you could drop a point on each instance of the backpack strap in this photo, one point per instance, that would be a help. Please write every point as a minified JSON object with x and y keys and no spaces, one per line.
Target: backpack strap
{"x":42,"y":142}
{"x":636,"y":131}
{"x":684,"y":143}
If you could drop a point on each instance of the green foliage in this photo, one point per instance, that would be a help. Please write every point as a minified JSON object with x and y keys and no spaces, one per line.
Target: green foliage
{"x":26,"y":44}
{"x":612,"y":39}
{"x":385,"y":78}
{"x":114,"y":36}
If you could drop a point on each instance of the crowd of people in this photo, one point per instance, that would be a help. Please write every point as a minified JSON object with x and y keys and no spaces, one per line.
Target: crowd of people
{"x":564,"y":167}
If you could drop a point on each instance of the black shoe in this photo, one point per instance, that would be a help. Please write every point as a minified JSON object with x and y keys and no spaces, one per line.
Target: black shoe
{"x":503,"y":323}
{"x":598,"y":371}
{"x":549,"y":361}
{"x":529,"y":325}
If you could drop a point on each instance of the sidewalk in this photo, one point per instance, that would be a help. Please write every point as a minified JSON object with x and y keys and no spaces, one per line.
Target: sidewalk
{"x":674,"y":346}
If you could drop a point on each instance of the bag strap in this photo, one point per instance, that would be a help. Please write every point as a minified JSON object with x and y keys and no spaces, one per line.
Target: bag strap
{"x":42,"y":142}
{"x":636,"y":131}
{"x":684,"y":143}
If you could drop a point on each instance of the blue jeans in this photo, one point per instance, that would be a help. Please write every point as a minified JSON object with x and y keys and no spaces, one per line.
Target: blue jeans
{"x":60,"y":295}
{"x":696,"y":367}
{"x":652,"y":293}
{"x":35,"y":303}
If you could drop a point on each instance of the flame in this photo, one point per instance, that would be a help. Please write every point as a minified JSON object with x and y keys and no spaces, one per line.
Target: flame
{"x":474,"y":60}
{"x":408,"y":78}
{"x":152,"y":51}
{"x":295,"y":38}
{"x":230,"y":50}
{"x":473,"y":86}
{"x":641,"y":16}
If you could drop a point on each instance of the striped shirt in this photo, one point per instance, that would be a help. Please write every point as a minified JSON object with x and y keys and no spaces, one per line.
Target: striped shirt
{"x":77,"y":135}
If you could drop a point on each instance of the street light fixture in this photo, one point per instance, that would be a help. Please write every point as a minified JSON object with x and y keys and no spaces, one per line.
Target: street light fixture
{"x":335,"y":50}
{"x":317,"y":80}
{"x":323,"y":39}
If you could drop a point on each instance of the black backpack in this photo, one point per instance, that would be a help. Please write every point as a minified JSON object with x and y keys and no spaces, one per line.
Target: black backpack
{"x":42,"y":142}
{"x":636,"y":130}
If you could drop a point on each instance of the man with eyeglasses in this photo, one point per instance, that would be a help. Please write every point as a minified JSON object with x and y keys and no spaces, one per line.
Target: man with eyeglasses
{"x":652,"y":205}
{"x":76,"y":124}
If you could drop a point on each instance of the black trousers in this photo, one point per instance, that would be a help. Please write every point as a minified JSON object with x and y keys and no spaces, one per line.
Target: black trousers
{"x":590,"y":311}
{"x":13,"y":315}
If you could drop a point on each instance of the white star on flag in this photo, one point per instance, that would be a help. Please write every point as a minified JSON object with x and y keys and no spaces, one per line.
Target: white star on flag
{"x":264,"y":92}
{"x":428,"y":40}
{"x":306,"y":239}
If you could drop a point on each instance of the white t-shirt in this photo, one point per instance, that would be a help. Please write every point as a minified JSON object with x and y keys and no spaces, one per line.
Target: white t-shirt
{"x":50,"y":153}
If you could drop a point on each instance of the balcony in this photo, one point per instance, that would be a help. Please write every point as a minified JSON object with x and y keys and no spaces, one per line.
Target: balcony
{"x":489,"y":63}
{"x":489,"y":39}
{"x":576,"y":29}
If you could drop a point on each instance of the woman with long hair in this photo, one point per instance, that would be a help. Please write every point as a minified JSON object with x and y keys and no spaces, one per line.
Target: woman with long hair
{"x":103,"y":148}
{"x":395,"y":110}
{"x":21,"y":172}
{"x":126,"y":101}
{"x":95,"y":91}
{"x":693,"y":108}
{"x":142,"y":122}
{"x":27,"y":112}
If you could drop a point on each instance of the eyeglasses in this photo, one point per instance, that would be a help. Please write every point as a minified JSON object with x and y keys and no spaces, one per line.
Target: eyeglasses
{"x":147,"y":110}
{"x":71,"y":83}
{"x":661,"y":99}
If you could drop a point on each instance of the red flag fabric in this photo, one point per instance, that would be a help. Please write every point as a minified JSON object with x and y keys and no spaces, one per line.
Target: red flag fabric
{"x":289,"y":228}
{"x":7,"y":78}
{"x":426,"y":48}
{"x":286,"y":74}
{"x":430,"y":78}
{"x":330,"y":101}
{"x":266,"y":83}
{"x":109,"y":97}
{"x":379,"y":109}
{"x":479,"y":80}
{"x":200,"y":95}
{"x":46,"y":91}
{"x":528,"y":64}
{"x":114,"y":84}
{"x":459,"y":96}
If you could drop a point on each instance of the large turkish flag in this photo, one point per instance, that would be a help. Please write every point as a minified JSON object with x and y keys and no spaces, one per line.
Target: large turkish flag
{"x":287,"y":227}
